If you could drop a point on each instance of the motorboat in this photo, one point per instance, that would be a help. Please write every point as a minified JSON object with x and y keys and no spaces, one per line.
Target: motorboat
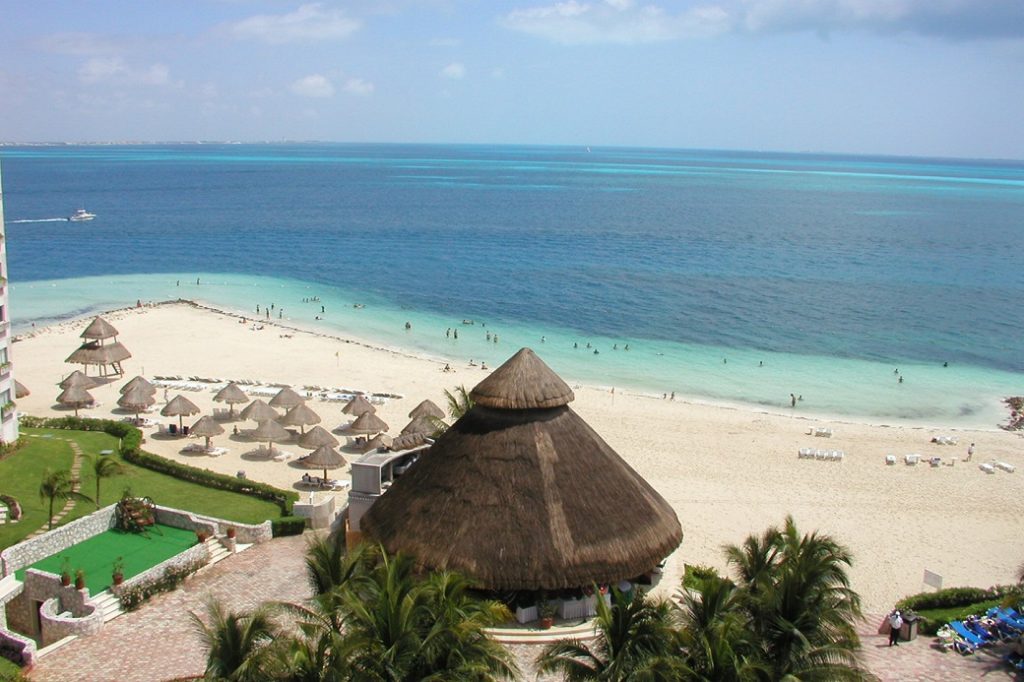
{"x":81,"y":215}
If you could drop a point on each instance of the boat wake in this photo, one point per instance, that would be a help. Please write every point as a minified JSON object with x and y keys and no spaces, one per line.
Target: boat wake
{"x":37,"y":220}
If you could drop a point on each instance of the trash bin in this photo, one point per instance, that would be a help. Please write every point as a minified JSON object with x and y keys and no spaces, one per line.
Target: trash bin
{"x":909,"y":630}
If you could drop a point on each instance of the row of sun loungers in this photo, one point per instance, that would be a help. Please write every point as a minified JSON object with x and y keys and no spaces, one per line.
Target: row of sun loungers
{"x":816,"y":453}
{"x":945,"y":440}
{"x":821,"y":432}
{"x":971,"y":634}
{"x":990,"y":467}
{"x":211,"y":451}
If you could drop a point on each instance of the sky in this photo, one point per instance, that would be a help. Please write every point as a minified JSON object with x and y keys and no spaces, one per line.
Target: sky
{"x":901,"y":77}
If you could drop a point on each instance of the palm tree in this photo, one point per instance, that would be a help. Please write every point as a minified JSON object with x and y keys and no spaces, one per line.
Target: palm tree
{"x":237,"y":644}
{"x":635,"y":641}
{"x":398,"y":630}
{"x":59,"y":485}
{"x":715,"y":641}
{"x":459,"y":402}
{"x":800,"y":604}
{"x":329,"y":565}
{"x":105,"y":467}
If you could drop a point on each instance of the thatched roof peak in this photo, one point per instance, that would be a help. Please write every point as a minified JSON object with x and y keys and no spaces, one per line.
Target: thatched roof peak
{"x":99,"y":329}
{"x":523,"y":382}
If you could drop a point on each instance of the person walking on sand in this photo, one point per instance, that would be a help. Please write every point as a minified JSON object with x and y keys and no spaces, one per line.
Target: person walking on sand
{"x":895,"y":623}
{"x":970,"y":452}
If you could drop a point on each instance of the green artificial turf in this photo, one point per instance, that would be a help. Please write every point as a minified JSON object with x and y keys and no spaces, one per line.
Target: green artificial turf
{"x":139,"y":551}
{"x":22,"y":472}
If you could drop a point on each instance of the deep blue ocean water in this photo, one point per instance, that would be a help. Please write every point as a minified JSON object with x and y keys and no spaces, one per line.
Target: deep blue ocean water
{"x":834,"y":269}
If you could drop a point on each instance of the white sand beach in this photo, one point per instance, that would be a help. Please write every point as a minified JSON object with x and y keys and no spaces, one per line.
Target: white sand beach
{"x":726,"y":471}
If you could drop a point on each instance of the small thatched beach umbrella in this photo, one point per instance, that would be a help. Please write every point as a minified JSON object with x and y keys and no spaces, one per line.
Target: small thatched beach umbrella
{"x":525,"y":494}
{"x":420,"y":424}
{"x":76,"y":397}
{"x":258,"y":411}
{"x":357,"y":406}
{"x":232,"y":394}
{"x":316,"y":437}
{"x":78,"y":379}
{"x":365,"y":424}
{"x":427,"y":409}
{"x":301,"y":415}
{"x":136,"y":400}
{"x":286,"y":398}
{"x":180,"y":406}
{"x":20,"y":390}
{"x":139,"y":382}
{"x":99,"y":330}
{"x":207,"y":427}
{"x":377,"y":442}
{"x":324,"y":456}
{"x":272,"y":432}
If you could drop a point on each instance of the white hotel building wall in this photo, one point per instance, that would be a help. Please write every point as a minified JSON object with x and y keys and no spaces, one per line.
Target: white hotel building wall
{"x":8,"y":415}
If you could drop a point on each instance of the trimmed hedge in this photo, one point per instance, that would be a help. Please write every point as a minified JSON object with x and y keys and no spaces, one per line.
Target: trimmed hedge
{"x":953,"y":602}
{"x":131,"y":440}
{"x":288,"y":525}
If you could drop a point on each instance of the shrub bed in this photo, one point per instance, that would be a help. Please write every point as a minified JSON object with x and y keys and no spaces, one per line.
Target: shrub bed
{"x":13,"y":508}
{"x":953,"y":603}
{"x":133,"y":597}
{"x":288,"y":525}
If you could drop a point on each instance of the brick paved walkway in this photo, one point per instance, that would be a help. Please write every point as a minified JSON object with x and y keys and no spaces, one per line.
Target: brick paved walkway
{"x":157,"y":641}
{"x":922,"y":660}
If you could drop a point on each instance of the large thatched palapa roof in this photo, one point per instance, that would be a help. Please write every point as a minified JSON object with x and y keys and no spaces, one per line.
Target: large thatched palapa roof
{"x":526,"y":494}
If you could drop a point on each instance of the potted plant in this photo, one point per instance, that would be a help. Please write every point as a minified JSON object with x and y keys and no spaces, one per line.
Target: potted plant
{"x":547,"y":610}
{"x":65,"y":572}
{"x":231,"y":532}
{"x":117,"y":572}
{"x":79,"y":579}
{"x":201,"y":535}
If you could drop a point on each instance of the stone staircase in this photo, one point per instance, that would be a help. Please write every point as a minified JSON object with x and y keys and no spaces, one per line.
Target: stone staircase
{"x":218,"y":551}
{"x":107,"y":604}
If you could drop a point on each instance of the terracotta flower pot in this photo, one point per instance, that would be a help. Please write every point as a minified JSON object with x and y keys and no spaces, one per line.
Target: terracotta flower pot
{"x":118,"y":578}
{"x":79,"y":583}
{"x":231,"y":532}
{"x":546,"y":623}
{"x":65,"y":579}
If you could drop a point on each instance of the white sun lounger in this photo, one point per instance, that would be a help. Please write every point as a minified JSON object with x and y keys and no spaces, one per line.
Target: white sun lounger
{"x":912,"y":459}
{"x":987,"y":468}
{"x":1005,"y":466}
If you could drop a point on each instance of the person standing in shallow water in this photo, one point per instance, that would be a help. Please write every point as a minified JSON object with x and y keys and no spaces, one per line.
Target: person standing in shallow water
{"x":792,"y":400}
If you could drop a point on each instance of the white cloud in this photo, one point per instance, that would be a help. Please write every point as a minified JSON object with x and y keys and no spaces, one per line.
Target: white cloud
{"x":617,"y":21}
{"x":357,"y":86}
{"x":100,"y":69}
{"x":455,"y":71}
{"x":313,"y":85}
{"x":311,"y":22}
{"x":116,"y":71}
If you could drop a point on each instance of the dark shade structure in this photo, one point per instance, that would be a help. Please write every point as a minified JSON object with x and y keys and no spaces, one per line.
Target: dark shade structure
{"x":316,"y":437}
{"x":357,"y":406}
{"x":258,"y":411}
{"x":270,"y":431}
{"x":525,"y":494}
{"x":420,"y":424}
{"x":207,"y":427}
{"x":180,"y":406}
{"x":427,"y":409}
{"x":97,"y":349}
{"x":365,"y":424}
{"x":324,"y":457}
{"x":140,"y":382}
{"x":20,"y":390}
{"x":232,"y":394}
{"x":286,"y":398}
{"x":79,"y":380}
{"x":76,"y":397}
{"x":301,"y":415}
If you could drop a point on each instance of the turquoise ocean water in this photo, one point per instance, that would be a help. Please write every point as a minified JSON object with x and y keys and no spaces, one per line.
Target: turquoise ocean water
{"x":733,"y":277}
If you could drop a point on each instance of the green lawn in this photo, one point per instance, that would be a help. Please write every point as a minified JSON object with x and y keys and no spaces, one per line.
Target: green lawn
{"x":21,"y":473}
{"x":139,"y":551}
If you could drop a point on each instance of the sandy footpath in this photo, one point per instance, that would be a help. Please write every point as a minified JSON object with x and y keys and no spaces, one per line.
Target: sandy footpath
{"x":727,"y":472}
